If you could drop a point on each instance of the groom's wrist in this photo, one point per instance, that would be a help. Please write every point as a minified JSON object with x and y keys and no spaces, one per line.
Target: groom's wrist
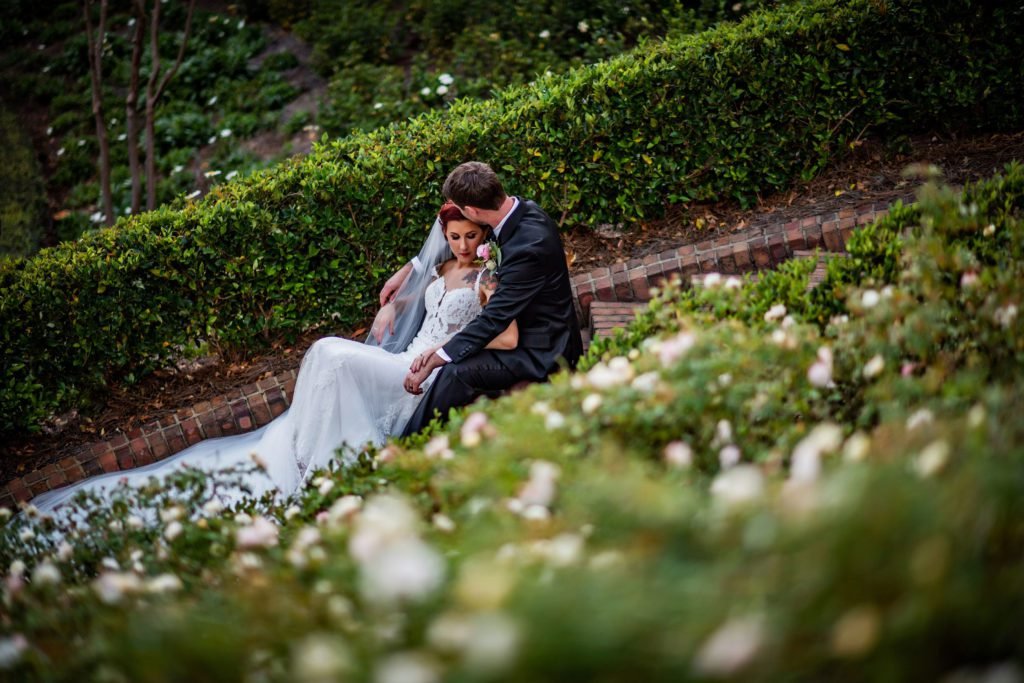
{"x":442,"y":355}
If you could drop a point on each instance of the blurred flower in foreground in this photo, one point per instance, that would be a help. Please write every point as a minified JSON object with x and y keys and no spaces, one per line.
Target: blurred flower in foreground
{"x":731,"y":647}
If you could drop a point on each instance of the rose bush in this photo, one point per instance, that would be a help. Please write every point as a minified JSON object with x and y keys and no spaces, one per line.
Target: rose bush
{"x":734,"y":495}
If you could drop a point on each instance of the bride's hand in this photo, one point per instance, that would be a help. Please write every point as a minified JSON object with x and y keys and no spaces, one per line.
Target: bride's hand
{"x":420,"y":361}
{"x":385,"y":320}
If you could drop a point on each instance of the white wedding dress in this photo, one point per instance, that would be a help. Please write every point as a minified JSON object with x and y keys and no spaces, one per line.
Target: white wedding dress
{"x":347,"y":394}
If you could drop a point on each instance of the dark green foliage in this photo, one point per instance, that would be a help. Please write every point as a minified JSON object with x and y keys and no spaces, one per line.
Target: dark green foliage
{"x":727,"y":113}
{"x":22,"y":195}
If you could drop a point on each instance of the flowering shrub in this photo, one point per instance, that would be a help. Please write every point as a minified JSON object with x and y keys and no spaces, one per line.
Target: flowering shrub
{"x":755,"y":106}
{"x":740,"y":495}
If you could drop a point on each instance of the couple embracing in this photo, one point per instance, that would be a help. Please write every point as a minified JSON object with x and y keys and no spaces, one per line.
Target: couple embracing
{"x":528,"y":323}
{"x":450,"y":329}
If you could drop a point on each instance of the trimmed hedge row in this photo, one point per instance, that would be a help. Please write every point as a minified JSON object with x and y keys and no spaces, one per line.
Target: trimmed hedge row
{"x":730,"y":112}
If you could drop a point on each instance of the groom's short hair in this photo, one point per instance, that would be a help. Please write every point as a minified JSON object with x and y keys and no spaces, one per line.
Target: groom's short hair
{"x":475,"y":184}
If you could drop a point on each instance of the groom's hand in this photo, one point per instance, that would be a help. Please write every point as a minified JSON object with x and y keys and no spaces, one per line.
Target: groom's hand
{"x":414,"y":380}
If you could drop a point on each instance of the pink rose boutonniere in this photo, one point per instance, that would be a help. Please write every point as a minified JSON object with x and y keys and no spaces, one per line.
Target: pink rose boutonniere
{"x":490,"y":254}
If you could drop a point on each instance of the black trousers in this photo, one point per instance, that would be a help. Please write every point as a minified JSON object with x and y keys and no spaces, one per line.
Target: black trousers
{"x":459,"y":384}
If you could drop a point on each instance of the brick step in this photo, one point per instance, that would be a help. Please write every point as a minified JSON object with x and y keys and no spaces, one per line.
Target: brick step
{"x":607,"y":316}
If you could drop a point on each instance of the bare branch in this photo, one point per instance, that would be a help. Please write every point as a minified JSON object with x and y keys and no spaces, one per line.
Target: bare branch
{"x":181,"y":50}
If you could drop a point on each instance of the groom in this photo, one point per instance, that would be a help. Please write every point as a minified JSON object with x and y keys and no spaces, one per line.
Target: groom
{"x":533,"y":290}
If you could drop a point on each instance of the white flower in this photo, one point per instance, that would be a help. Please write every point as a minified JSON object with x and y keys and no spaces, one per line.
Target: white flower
{"x":26,"y":534}
{"x":213,"y":507}
{"x":646,"y":383}
{"x":177,"y":169}
{"x":932,"y":459}
{"x":212,"y":101}
{"x":873,"y":368}
{"x":989,"y":230}
{"x":243,"y":518}
{"x":445,"y":79}
{"x":857,"y":447}
{"x":212,"y":139}
{"x":5,"y":513}
{"x":17,"y":569}
{"x":96,"y":217}
{"x":492,"y":644}
{"x":241,"y":24}
{"x":870,"y":298}
{"x":819,"y":374}
{"x":544,"y":35}
{"x":731,"y":647}
{"x":671,"y":350}
{"x":49,"y":130}
{"x":591,"y":403}
{"x":474,"y":429}
{"x":405,"y":569}
{"x":193,"y":195}
{"x":563,"y":550}
{"x":805,"y":464}
{"x":723,"y":433}
{"x":46,"y":574}
{"x":535,"y":513}
{"x":11,"y":649}
{"x":438,"y":448}
{"x":442,"y":90}
{"x":320,"y":658}
{"x":1006,"y":315}
{"x":292,"y":512}
{"x":343,"y":509}
{"x":729,"y":457}
{"x":554,"y":420}
{"x":678,"y":454}
{"x":165,"y":583}
{"x":131,"y":22}
{"x":173,"y":530}
{"x":407,"y":667}
{"x":122,"y":137}
{"x":378,"y":105}
{"x":443,"y":523}
{"x":384,"y":520}
{"x":111,"y":587}
{"x":325,"y":487}
{"x":738,"y":485}
{"x":172,"y":513}
{"x":616,"y":372}
{"x":212,"y":174}
{"x":712,"y":280}
{"x":65,"y":551}
{"x":110,"y":563}
{"x":920,"y":418}
{"x":231,"y":175}
{"x":540,"y":488}
{"x":733,"y":282}
{"x":426,"y":91}
{"x":262,"y":533}
{"x":776,"y":312}
{"x":969,"y":279}
{"x":583,"y":27}
{"x":60,"y":152}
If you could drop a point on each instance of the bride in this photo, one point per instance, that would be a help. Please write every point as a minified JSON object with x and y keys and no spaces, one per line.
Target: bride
{"x":349,"y":393}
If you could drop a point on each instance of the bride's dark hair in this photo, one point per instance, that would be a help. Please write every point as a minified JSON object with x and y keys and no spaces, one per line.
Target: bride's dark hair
{"x":449,"y":212}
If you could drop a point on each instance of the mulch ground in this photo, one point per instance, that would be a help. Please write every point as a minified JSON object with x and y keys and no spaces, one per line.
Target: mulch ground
{"x":871,"y":173}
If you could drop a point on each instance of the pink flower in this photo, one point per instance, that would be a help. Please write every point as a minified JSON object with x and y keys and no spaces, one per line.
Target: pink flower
{"x":484,"y":252}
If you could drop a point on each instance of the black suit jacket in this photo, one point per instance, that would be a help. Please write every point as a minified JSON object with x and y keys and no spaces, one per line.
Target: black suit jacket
{"x":534,"y":290}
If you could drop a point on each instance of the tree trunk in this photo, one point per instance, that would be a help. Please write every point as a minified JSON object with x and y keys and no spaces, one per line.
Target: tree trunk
{"x":132,"y":105}
{"x":155,"y":88}
{"x":95,"y":45}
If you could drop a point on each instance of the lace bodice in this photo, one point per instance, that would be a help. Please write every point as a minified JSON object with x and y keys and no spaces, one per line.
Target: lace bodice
{"x":447,"y":312}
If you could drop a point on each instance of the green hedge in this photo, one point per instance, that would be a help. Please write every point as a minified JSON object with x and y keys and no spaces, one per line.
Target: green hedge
{"x":22,"y":193}
{"x":872,"y":530}
{"x":727,"y":113}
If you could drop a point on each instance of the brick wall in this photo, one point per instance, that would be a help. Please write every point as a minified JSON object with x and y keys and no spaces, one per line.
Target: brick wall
{"x":236,"y":412}
{"x":756,"y":248}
